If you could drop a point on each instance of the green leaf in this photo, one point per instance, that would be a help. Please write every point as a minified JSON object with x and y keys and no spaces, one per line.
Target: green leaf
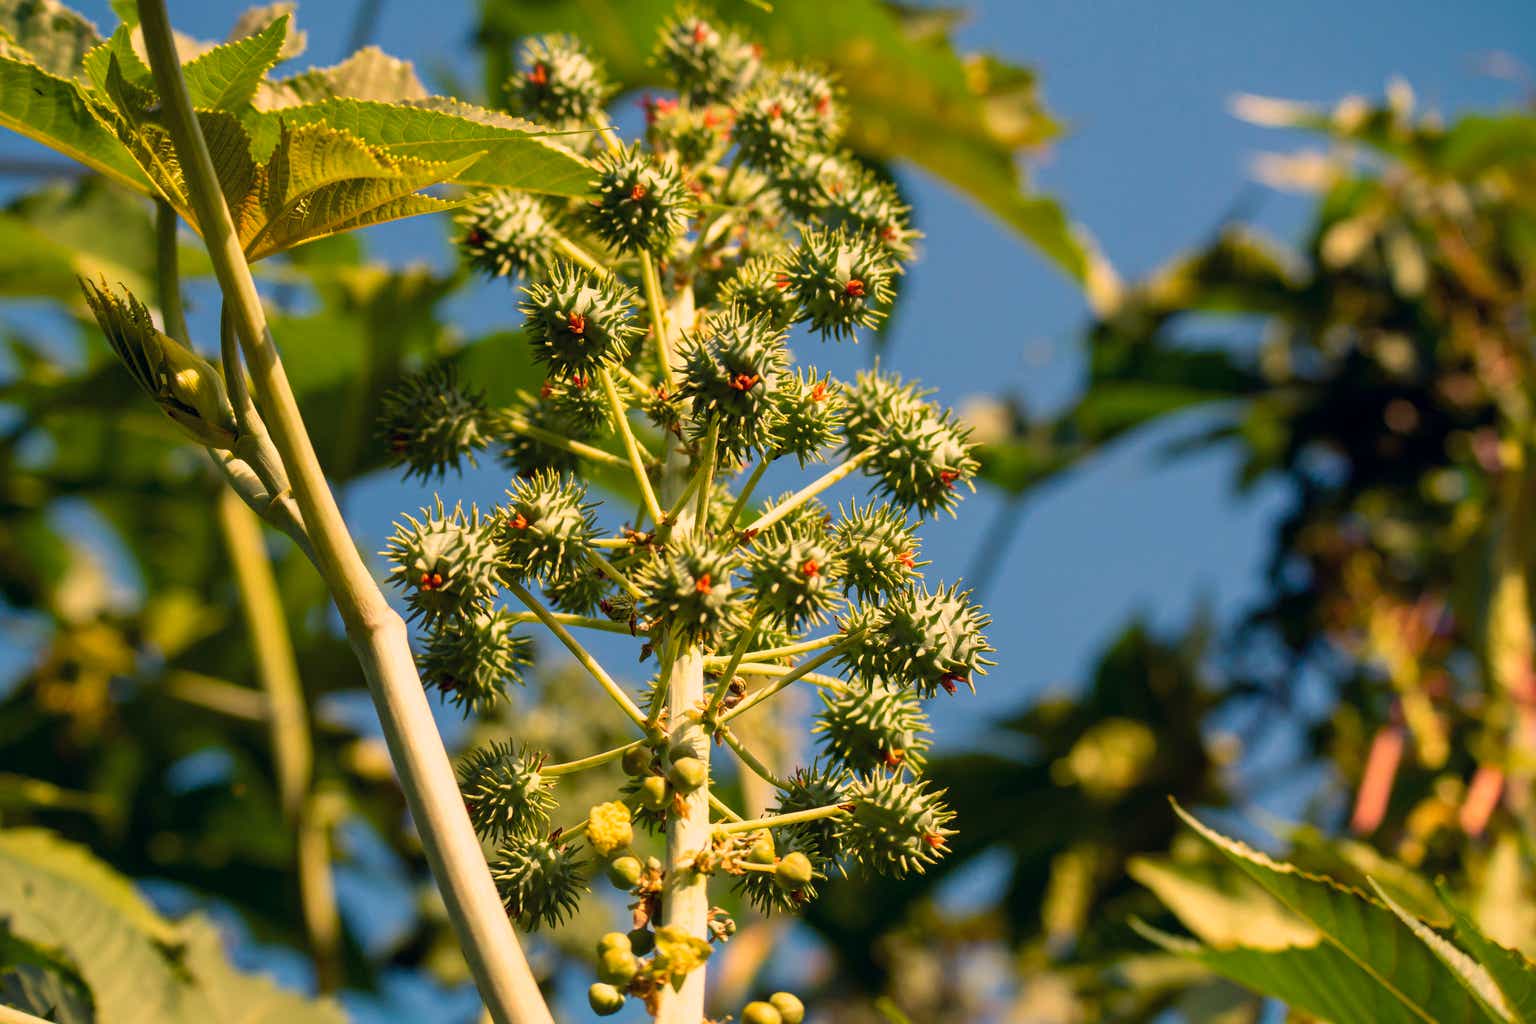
{"x":226,"y":77}
{"x":508,"y":153}
{"x":1395,"y":975}
{"x":1222,"y":906}
{"x":1471,"y":975}
{"x":57,"y":113}
{"x":47,"y":33}
{"x":369,"y":74}
{"x":1511,"y":971}
{"x":45,"y":851}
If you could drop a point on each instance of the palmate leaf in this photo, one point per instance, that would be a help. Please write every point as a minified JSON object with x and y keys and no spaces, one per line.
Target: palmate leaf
{"x":1371,"y":961}
{"x":55,"y":896}
{"x":57,"y":112}
{"x":369,"y":74}
{"x":47,"y":33}
{"x":226,"y":77}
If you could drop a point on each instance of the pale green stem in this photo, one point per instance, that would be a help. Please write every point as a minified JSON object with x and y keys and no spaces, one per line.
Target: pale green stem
{"x":579,"y":652}
{"x":582,"y":621}
{"x":576,"y":254}
{"x":168,"y":273}
{"x":752,"y":668}
{"x":636,"y":463}
{"x":682,"y":498}
{"x":377,"y":632}
{"x":606,"y":568}
{"x":663,"y":680}
{"x":724,"y":808}
{"x":724,"y":686}
{"x":706,"y":474}
{"x":806,"y":493}
{"x":613,"y":543}
{"x":571,"y":767}
{"x":734,"y":515}
{"x":787,"y":679}
{"x":787,"y":651}
{"x":554,"y":440}
{"x":651,"y":281}
{"x":781,"y":820}
{"x":749,"y":759}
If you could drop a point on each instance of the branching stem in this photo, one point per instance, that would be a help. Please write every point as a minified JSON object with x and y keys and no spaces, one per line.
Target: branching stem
{"x":788,"y":679}
{"x":806,"y":493}
{"x":631,"y":446}
{"x":580,"y":653}
{"x":595,"y":760}
{"x":781,"y":820}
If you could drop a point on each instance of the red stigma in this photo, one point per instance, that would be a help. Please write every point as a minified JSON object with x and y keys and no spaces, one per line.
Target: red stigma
{"x":948,"y":477}
{"x":776,"y":111}
{"x":518,"y":522}
{"x":894,"y":758}
{"x":576,"y":323}
{"x":809,"y":568}
{"x":745,"y":381}
{"x":700,"y":32}
{"x":781,"y":281}
{"x":823,"y":105}
{"x":854,"y":287}
{"x":475,"y":237}
{"x":579,"y":381}
{"x":934,"y":840}
{"x":949,"y":680}
{"x":703,"y":586}
{"x":539,"y":75}
{"x":819,"y":392}
{"x":906,"y":560}
{"x":637,"y":193}
{"x":431,"y":580}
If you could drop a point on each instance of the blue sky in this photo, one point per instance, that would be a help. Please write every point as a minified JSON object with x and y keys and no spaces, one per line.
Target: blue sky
{"x":1151,"y":164}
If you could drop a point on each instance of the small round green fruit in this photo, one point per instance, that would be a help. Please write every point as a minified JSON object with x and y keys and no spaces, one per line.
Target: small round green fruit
{"x":789,"y":1007}
{"x":688,"y":774}
{"x":653,"y":793}
{"x":605,"y":1000}
{"x":624,"y":872}
{"x":617,"y":967}
{"x":761,"y":1013}
{"x":794,"y":872}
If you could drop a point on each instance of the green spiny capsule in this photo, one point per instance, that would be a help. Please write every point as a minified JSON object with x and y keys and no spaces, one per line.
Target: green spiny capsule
{"x":731,"y":369}
{"x":605,"y":999}
{"x":760,"y":289}
{"x":688,"y":774}
{"x":879,"y":550}
{"x":707,"y":63}
{"x":642,"y":204}
{"x":472,"y":661}
{"x":882,"y":728}
{"x":761,"y":1013}
{"x":502,"y":232}
{"x":540,"y":881}
{"x":776,"y":123}
{"x":559,"y":83}
{"x":842,"y":281}
{"x":624,"y":872}
{"x":688,"y":136}
{"x":504,"y":791}
{"x":187,"y":387}
{"x":874,"y":400}
{"x":547,"y":526}
{"x":578,"y":322}
{"x":446,"y":562}
{"x":578,"y":590}
{"x":809,"y":520}
{"x":808,"y":789}
{"x":432,"y":423}
{"x":809,"y":415}
{"x":794,"y":872}
{"x":920,"y":457}
{"x":618,"y":967}
{"x":794,"y":579}
{"x":790,"y":1008}
{"x":896,"y":826}
{"x":926,"y":640}
{"x":689,"y":586}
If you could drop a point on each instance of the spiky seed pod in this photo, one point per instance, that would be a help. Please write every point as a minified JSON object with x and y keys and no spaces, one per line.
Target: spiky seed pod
{"x":920,"y":457}
{"x":881,"y":728}
{"x":776,"y":124}
{"x":578,"y":401}
{"x":763,"y":890}
{"x":559,"y":84}
{"x":186,"y":387}
{"x":432,"y":423}
{"x":581,"y":591}
{"x":540,"y":880}
{"x":869,"y":205}
{"x":809,"y":409}
{"x":472,"y":661}
{"x":446,"y":562}
{"x":502,"y":232}
{"x":922,"y":640}
{"x":760,"y":289}
{"x":809,"y":519}
{"x":705,"y":62}
{"x":578,"y":322}
{"x":504,"y":791}
{"x":547,"y":526}
{"x":687,"y":135}
{"x":874,"y":400}
{"x":842,"y":281}
{"x":689,"y":586}
{"x":731,"y":370}
{"x":809,"y":788}
{"x":879,"y":548}
{"x":794,"y":579}
{"x":642,"y":204}
{"x":818,"y":92}
{"x":803,"y":186}
{"x":897,"y":826}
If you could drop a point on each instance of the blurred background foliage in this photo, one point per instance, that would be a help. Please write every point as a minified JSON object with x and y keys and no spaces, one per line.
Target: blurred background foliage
{"x":1390,"y":661}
